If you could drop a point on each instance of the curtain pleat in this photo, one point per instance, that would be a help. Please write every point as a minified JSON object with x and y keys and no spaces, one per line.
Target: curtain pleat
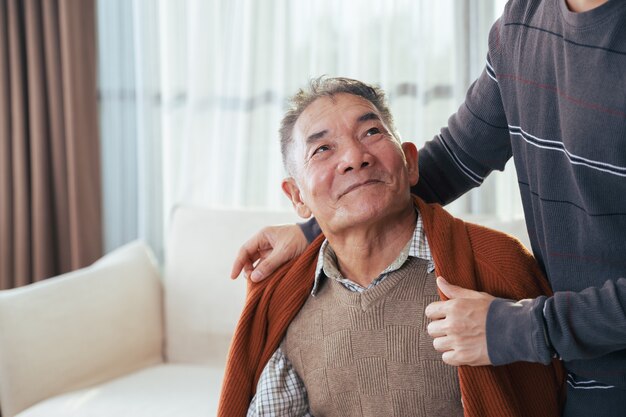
{"x":50,"y":204}
{"x":78,"y":59}
{"x":6,"y":163}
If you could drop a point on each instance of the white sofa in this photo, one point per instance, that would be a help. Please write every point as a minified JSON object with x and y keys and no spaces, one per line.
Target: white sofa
{"x":121,"y":339}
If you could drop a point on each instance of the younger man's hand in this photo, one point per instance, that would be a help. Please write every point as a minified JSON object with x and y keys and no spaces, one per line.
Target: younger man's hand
{"x":267,"y":250}
{"x":459,"y":325}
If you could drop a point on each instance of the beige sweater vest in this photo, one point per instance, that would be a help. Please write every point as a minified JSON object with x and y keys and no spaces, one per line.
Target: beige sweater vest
{"x":369,"y":354}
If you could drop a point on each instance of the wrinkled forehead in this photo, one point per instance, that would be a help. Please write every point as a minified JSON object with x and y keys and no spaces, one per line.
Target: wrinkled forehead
{"x":328,"y":113}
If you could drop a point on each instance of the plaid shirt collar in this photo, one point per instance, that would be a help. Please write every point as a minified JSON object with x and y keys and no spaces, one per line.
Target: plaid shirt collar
{"x":327,"y":267}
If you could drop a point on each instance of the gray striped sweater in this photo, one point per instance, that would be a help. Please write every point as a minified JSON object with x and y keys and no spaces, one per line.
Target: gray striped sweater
{"x":553,"y":96}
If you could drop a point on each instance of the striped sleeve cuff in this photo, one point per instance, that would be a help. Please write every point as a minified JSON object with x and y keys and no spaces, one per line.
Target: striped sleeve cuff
{"x":516,"y":332}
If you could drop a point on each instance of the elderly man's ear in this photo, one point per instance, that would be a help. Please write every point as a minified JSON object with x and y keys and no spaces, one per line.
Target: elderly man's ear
{"x":411,"y":156}
{"x":291,"y":190}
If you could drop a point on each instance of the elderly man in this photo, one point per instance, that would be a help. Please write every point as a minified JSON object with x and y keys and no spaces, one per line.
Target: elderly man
{"x":342,"y":330}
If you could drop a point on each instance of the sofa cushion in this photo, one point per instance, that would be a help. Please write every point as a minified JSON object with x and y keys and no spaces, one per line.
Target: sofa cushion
{"x":202,"y":304}
{"x":158,"y":391}
{"x":80,"y":328}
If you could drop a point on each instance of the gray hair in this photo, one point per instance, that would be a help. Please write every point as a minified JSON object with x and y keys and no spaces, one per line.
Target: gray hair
{"x":328,"y":87}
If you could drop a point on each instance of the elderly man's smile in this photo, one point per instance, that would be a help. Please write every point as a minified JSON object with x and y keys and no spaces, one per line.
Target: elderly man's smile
{"x":360,"y":185}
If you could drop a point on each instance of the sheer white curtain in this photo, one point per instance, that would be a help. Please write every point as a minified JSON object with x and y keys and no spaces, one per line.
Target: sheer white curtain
{"x":192,"y":92}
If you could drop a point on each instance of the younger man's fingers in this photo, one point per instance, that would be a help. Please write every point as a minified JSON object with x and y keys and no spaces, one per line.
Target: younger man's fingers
{"x":436,"y":310}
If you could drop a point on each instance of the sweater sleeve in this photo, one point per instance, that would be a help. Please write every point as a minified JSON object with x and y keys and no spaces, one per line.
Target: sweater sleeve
{"x":311,"y":229}
{"x":475,"y":142}
{"x":571,"y":325}
{"x":516,"y":332}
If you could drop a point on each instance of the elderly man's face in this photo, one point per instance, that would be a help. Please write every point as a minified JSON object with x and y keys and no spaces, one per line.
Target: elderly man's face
{"x":349,"y":169}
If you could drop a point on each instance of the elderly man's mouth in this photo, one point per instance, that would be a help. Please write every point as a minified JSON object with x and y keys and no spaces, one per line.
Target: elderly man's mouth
{"x":359,"y":185}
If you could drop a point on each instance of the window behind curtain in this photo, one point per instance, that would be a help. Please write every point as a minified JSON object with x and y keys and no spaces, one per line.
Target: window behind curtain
{"x":192,"y":93}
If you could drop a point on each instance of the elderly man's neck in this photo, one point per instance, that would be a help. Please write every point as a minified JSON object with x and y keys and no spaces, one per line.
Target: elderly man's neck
{"x":364,"y":252}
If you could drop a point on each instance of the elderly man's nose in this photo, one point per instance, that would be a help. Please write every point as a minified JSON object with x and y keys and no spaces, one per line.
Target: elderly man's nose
{"x":350,"y":168}
{"x":354,"y":157}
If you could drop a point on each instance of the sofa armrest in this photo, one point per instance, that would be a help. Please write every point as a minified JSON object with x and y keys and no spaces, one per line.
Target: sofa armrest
{"x":80,"y":328}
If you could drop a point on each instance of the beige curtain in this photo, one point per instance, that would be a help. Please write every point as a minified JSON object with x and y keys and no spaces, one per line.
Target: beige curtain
{"x":50,"y":192}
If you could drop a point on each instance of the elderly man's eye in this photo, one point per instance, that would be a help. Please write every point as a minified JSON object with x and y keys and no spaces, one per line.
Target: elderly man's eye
{"x":373,"y":131}
{"x":321,"y":149}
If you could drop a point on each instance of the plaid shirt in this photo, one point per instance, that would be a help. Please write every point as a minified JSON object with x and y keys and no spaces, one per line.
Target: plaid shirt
{"x":280,"y":391}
